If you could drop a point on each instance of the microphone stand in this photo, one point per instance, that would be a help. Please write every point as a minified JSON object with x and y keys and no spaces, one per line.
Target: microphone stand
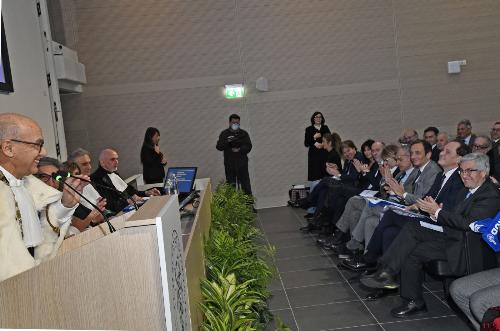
{"x":106,"y":219}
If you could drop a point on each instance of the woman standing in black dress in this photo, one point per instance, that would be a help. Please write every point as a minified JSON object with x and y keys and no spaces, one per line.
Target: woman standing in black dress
{"x":313,"y":140}
{"x":152,"y":159}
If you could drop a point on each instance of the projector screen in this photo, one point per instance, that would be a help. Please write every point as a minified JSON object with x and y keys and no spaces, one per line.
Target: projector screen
{"x":5,"y":74}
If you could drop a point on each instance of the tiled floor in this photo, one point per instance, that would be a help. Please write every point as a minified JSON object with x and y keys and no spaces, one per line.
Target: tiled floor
{"x":310,"y":293}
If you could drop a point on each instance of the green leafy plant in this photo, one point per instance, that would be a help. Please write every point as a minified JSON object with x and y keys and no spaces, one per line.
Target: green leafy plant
{"x":238,"y":269}
{"x":282,"y":326}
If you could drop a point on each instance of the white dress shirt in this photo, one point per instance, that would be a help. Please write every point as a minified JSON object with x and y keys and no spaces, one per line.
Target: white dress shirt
{"x":119,"y":184}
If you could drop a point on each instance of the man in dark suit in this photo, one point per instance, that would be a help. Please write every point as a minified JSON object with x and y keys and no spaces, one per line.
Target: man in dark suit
{"x":431,"y":136}
{"x":464,"y":132}
{"x":416,"y":245}
{"x":444,"y":190}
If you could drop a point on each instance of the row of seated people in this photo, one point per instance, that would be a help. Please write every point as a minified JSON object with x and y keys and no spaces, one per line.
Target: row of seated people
{"x":444,"y":183}
{"x":108,"y":190}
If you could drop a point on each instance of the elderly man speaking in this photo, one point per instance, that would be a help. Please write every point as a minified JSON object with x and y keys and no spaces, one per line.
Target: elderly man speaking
{"x":23,"y":196}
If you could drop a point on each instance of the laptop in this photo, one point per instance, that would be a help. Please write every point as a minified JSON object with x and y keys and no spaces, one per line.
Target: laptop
{"x":185,"y":179}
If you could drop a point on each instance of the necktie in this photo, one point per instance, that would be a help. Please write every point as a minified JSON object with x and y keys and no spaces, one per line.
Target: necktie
{"x":441,"y":181}
{"x":468,"y":195}
{"x":416,"y":177}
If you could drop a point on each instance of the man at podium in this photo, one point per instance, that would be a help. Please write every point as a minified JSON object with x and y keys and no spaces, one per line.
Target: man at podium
{"x":23,"y":196}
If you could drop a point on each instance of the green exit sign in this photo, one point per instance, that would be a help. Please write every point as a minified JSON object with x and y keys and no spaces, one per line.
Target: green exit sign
{"x":234,"y":91}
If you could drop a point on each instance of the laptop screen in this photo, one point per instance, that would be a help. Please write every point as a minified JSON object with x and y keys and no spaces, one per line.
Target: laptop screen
{"x":185,"y":177}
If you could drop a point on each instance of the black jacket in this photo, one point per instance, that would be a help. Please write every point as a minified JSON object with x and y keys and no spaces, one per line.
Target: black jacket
{"x":228,"y":140}
{"x":448,"y":195}
{"x":153,"y":170}
{"x":316,"y":158}
{"x":484,"y":203}
{"x":114,"y":201}
{"x":350,"y":175}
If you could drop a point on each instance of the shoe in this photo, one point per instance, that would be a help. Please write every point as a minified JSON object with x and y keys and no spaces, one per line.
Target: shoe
{"x":381,"y":279}
{"x":340,"y":238}
{"x":324,"y":241}
{"x":341,"y":251}
{"x":409,"y":308}
{"x":357,"y":263}
{"x":377,"y":294}
{"x":308,"y":216}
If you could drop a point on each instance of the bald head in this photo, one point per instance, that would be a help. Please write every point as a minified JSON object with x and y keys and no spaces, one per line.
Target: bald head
{"x":11,"y":124}
{"x":21,"y":144}
{"x":409,"y":135}
{"x":108,"y":159}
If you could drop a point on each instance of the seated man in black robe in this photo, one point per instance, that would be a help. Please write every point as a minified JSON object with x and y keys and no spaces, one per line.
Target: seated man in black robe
{"x":120,"y":194}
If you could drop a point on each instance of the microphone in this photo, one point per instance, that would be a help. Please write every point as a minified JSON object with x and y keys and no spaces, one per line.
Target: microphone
{"x":61,"y":177}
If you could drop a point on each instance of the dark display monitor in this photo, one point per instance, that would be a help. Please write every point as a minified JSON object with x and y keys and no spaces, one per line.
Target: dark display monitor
{"x":185,"y":177}
{"x":5,"y":73}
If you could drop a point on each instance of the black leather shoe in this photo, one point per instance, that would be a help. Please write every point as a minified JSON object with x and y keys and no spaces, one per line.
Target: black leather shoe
{"x":357,"y":263}
{"x":342,"y":252}
{"x":340,"y":238}
{"x":377,"y":294}
{"x":381,"y":279}
{"x":409,"y":308}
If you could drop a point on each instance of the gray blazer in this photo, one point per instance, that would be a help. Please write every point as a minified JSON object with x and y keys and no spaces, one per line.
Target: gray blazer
{"x":423,"y":183}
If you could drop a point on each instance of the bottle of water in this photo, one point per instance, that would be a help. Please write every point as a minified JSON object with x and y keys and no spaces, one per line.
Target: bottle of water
{"x":168,"y":186}
{"x":175,"y":184}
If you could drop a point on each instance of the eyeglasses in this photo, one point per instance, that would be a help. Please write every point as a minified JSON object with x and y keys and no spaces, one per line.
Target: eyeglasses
{"x":467,"y":172}
{"x":495,"y":129}
{"x":44,"y":177}
{"x":474,"y":146}
{"x":38,"y":144}
{"x":318,"y":116}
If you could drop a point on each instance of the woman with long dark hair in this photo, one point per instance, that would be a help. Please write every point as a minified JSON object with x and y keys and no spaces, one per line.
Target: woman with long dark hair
{"x":313,"y":140}
{"x":153,"y":161}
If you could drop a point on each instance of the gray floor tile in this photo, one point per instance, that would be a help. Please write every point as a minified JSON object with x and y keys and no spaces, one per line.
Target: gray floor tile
{"x":321,"y":294}
{"x":280,"y":227}
{"x":275,"y":284}
{"x":278,"y":300}
{"x":303,"y":263}
{"x":278,"y":215}
{"x":431,"y":324}
{"x":285,"y":316}
{"x":337,"y":315}
{"x":288,"y":238}
{"x":382,"y":308}
{"x":363,"y":291}
{"x":311,"y":277}
{"x":297,"y":251}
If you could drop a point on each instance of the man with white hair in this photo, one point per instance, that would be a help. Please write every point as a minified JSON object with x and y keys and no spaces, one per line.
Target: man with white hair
{"x":23,"y":196}
{"x":415,"y":245}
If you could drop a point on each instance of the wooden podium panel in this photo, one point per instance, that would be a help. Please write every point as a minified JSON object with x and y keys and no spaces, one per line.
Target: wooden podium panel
{"x":113,"y":283}
{"x":132,"y":279}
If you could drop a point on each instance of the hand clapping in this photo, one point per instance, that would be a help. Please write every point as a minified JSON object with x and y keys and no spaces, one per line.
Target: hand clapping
{"x":429,"y":205}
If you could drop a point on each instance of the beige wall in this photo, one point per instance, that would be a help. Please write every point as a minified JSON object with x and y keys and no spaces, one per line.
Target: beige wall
{"x":372,"y":67}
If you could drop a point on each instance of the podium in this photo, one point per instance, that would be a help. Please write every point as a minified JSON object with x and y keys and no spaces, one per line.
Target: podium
{"x":132,"y":279}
